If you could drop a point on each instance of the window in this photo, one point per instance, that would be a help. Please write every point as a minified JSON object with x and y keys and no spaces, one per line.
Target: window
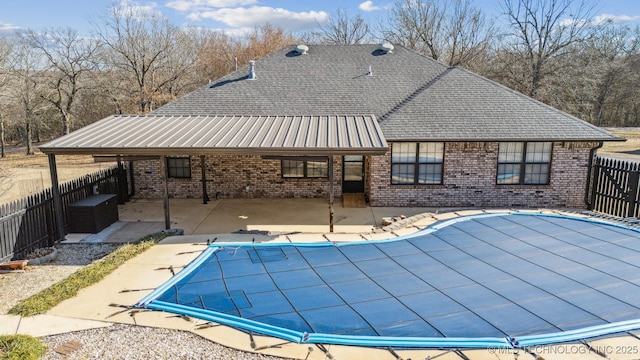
{"x":524,"y":163}
{"x":304,"y":169}
{"x":179,"y":167}
{"x":417,"y":163}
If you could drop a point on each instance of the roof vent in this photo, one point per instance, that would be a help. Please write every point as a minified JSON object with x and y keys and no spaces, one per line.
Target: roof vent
{"x":386,"y":48}
{"x":252,"y":70}
{"x":302,"y":49}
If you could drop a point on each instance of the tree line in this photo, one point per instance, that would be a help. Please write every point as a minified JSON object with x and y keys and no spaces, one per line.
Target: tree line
{"x":55,"y":81}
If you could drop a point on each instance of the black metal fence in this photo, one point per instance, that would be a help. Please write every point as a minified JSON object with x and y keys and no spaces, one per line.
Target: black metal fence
{"x":29,"y":223}
{"x":615,"y":188}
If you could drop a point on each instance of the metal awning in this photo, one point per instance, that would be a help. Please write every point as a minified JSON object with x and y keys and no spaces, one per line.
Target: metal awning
{"x":224,"y":135}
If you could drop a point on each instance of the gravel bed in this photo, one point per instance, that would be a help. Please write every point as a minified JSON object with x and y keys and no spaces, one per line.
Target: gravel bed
{"x":119,"y":341}
{"x":17,"y":286}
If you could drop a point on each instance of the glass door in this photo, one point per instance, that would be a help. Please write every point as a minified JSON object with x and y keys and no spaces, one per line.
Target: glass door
{"x":353,"y":174}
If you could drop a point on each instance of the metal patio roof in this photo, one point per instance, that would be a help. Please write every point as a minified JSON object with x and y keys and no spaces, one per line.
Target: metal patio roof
{"x":224,"y":135}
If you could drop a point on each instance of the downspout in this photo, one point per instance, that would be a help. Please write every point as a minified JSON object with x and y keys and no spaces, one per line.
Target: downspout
{"x":592,"y":154}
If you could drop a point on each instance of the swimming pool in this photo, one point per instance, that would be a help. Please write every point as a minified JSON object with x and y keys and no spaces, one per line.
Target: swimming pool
{"x":505,"y":279}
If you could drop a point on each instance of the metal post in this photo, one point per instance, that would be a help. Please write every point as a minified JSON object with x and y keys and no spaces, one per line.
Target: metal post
{"x":122,"y":192}
{"x":205,"y":196}
{"x":167,"y":217}
{"x":632,"y":199}
{"x":132,"y":184}
{"x":330,"y":160}
{"x":57,"y":200}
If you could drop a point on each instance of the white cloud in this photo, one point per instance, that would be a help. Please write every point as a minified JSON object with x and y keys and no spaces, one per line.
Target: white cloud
{"x":616,"y":19}
{"x":202,"y":5}
{"x":257,"y":15}
{"x":137,"y":10}
{"x":368,"y":6}
{"x":576,"y":22}
{"x":8,"y":29}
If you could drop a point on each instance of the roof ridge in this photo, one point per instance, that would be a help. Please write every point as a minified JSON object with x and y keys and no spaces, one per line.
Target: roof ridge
{"x":417,"y":92}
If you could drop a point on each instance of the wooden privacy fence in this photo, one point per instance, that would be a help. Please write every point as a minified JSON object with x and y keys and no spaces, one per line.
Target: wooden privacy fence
{"x":615,"y":188}
{"x":29,"y":223}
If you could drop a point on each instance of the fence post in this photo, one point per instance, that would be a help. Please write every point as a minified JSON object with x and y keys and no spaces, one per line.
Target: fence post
{"x":594,"y":185}
{"x":49,"y":220}
{"x":632,"y":198}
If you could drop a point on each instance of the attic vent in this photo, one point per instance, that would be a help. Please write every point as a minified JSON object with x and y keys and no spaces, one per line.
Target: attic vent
{"x":302,"y":49}
{"x":386,"y":48}
{"x":252,"y":70}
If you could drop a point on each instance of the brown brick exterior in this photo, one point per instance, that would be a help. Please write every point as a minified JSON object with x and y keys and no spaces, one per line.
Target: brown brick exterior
{"x":468,"y":180}
{"x":233,"y":177}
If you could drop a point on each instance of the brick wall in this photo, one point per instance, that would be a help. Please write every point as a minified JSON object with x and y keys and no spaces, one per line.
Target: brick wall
{"x":232,"y":177}
{"x":469,"y":180}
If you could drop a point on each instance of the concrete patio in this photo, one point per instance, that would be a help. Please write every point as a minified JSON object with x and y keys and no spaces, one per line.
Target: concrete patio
{"x":271,"y":215}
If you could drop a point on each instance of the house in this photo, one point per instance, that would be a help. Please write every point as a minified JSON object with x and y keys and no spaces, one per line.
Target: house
{"x":399,"y":127}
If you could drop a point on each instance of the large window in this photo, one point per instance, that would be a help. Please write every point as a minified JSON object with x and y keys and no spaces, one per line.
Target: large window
{"x":304,"y":169}
{"x":179,"y":167}
{"x":522,"y":163}
{"x":417,"y":163}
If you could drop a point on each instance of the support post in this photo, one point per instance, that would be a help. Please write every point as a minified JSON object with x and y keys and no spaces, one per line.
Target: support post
{"x":122,"y":181}
{"x":205,"y":196}
{"x":132,"y":184}
{"x":167,"y":217}
{"x":330,"y":160}
{"x":57,"y":200}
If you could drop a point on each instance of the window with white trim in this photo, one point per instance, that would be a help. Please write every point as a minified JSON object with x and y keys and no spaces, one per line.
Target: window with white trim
{"x":524,"y":163}
{"x":417,"y":163}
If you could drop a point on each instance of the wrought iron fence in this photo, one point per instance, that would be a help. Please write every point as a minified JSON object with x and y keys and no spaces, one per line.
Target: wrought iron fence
{"x":29,"y":223}
{"x":615,"y":188}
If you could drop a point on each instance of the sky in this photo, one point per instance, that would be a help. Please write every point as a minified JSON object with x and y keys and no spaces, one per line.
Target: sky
{"x":235,"y":15}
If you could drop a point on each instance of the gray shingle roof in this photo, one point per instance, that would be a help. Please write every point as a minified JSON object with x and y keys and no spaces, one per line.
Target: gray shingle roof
{"x":413,"y":97}
{"x":224,"y":135}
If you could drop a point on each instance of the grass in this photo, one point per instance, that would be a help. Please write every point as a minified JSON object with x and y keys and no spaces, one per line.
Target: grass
{"x":85,"y":277}
{"x":21,"y":347}
{"x":632,"y":144}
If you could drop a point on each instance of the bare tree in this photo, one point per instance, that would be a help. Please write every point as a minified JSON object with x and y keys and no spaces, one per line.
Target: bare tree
{"x":542,"y":30}
{"x":418,"y":25}
{"x":468,"y":36}
{"x":5,"y":51}
{"x":343,"y":29}
{"x":24,"y":89}
{"x":138,"y":44}
{"x":176,"y":75}
{"x":70,"y":60}
{"x":263,"y":41}
{"x":453,"y":32}
{"x":610,"y":54}
{"x":217,"y":55}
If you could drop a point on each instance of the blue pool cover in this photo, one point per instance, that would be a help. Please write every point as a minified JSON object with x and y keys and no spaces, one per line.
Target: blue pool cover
{"x":477,"y":281}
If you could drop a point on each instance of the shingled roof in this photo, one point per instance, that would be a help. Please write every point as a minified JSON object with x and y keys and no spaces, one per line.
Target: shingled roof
{"x":412,"y":96}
